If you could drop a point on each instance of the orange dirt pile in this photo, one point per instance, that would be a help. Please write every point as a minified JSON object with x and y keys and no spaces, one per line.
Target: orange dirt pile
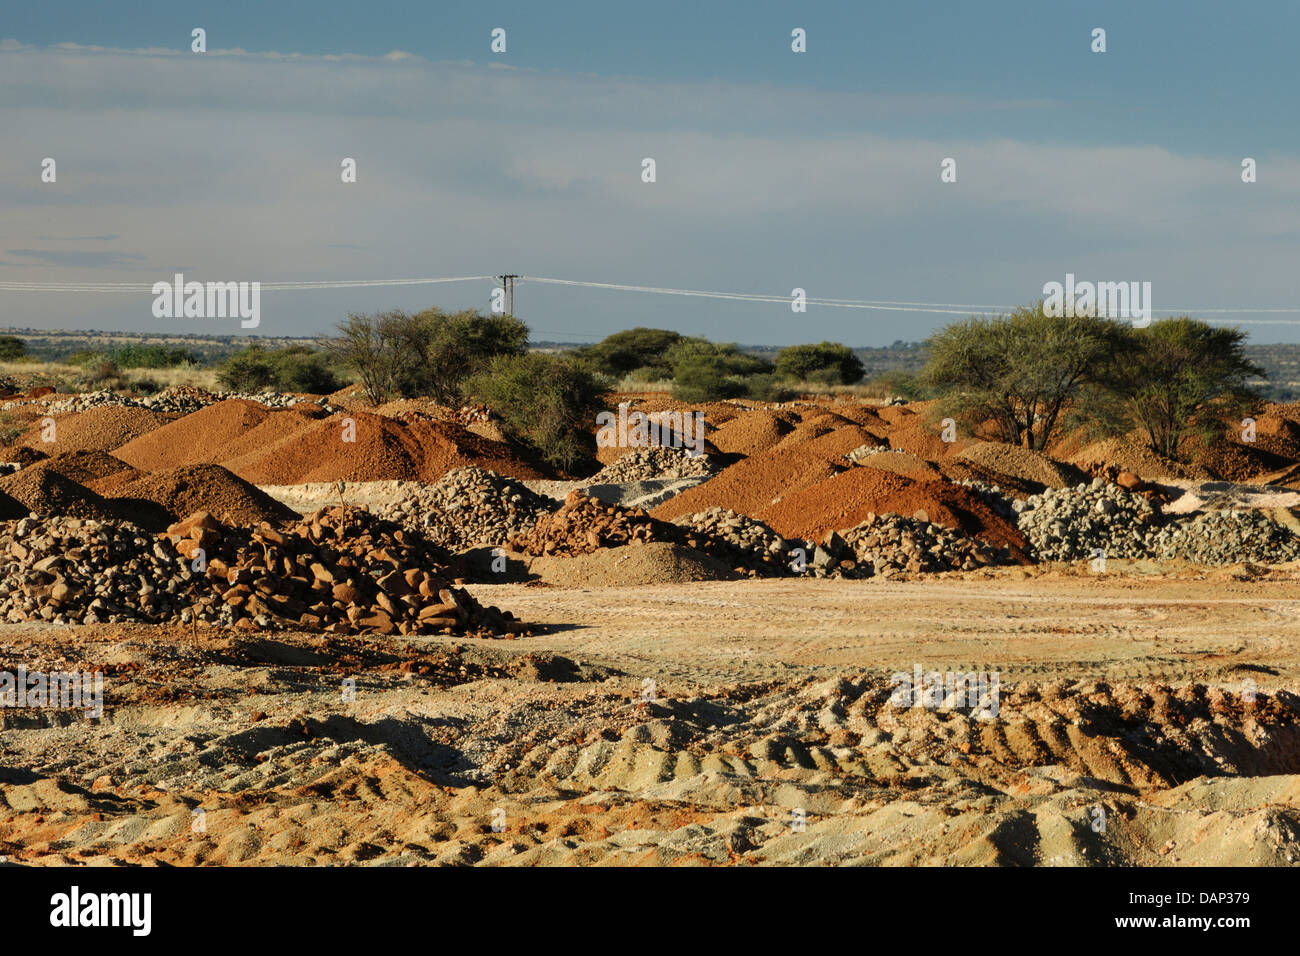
{"x":911,"y":430}
{"x":299,"y":445}
{"x":97,"y":429}
{"x":85,"y":467}
{"x":41,"y":489}
{"x":218,"y":432}
{"x":751,"y":432}
{"x":845,"y":500}
{"x":384,"y":449}
{"x":179,"y":492}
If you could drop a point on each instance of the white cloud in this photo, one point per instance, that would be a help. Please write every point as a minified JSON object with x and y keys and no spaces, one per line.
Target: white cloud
{"x":228,"y":163}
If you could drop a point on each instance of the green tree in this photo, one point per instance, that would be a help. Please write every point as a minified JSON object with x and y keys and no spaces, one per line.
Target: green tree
{"x":1019,"y":372}
{"x":11,"y":348}
{"x":705,"y":371}
{"x":1177,"y":378}
{"x":547,"y":401}
{"x":829,"y":362}
{"x":624,"y":352}
{"x":248,"y":370}
{"x":440,"y":350}
{"x":371,"y":345}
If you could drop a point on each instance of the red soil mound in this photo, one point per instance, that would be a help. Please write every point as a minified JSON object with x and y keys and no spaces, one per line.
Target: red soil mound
{"x":97,"y":429}
{"x":207,"y":435}
{"x":85,"y":467}
{"x":299,"y":445}
{"x":178,"y":492}
{"x":911,"y":431}
{"x":384,"y":449}
{"x":756,"y":482}
{"x":751,"y":432}
{"x":845,"y":500}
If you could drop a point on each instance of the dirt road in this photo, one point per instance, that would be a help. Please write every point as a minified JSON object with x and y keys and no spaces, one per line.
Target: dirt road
{"x":770,"y":733}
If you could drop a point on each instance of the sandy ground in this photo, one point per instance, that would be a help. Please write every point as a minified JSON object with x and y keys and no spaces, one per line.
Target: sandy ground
{"x":1142,"y":719}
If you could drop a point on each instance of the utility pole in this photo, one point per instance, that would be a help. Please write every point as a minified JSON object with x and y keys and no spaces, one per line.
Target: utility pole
{"x":508,"y":283}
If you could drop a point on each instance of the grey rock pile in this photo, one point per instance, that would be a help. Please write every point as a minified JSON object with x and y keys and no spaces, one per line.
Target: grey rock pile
{"x":1074,"y":524}
{"x":743,"y":542}
{"x":865,"y":451}
{"x":648,"y":464}
{"x":890,"y":544}
{"x":991,"y":495}
{"x":1226,"y":537}
{"x":469,"y":507}
{"x":1070,"y":524}
{"x":174,"y":399}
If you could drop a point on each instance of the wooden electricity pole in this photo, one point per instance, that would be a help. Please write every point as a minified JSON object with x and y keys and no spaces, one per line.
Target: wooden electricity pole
{"x":508,"y":283}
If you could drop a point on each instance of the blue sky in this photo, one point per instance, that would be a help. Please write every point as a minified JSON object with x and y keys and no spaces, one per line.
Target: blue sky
{"x":775,"y":170}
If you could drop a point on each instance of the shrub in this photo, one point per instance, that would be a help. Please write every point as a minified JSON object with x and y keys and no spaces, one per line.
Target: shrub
{"x":249,"y":370}
{"x":11,"y":348}
{"x":623,"y":352}
{"x":705,"y":371}
{"x":431,"y":353}
{"x":547,"y":401}
{"x":829,"y":363}
{"x":295,"y":368}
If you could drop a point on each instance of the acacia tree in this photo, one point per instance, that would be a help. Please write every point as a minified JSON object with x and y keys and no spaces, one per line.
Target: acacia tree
{"x":369,"y":345}
{"x":1175,"y":378}
{"x":829,"y":362}
{"x":1019,"y":372}
{"x":429,"y":354}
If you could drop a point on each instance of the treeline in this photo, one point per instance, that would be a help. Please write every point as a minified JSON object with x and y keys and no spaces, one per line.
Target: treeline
{"x":703,"y":371}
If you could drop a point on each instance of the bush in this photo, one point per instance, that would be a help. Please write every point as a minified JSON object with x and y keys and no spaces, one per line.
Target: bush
{"x":769,"y":388}
{"x":547,"y":401}
{"x":11,"y":348}
{"x":899,"y":383}
{"x":295,"y":368}
{"x":137,"y":355}
{"x":705,"y":371}
{"x":624,"y":352}
{"x":249,"y":370}
{"x":441,"y":350}
{"x":431,"y":353}
{"x":829,"y":363}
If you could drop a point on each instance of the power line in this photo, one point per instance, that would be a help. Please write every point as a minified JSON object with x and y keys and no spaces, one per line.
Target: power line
{"x":880,"y":305}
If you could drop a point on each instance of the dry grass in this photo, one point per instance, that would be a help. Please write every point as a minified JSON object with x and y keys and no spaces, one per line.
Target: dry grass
{"x":65,"y":377}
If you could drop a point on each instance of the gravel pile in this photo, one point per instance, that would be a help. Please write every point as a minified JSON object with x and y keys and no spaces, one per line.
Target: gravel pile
{"x":888,"y":544}
{"x":1068,"y":524}
{"x":648,"y":464}
{"x":866,"y":451}
{"x":584,"y":525}
{"x":468,"y":507}
{"x":991,"y":495}
{"x":176,"y":398}
{"x":1226,"y":537}
{"x":741,"y":541}
{"x":341,"y":570}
